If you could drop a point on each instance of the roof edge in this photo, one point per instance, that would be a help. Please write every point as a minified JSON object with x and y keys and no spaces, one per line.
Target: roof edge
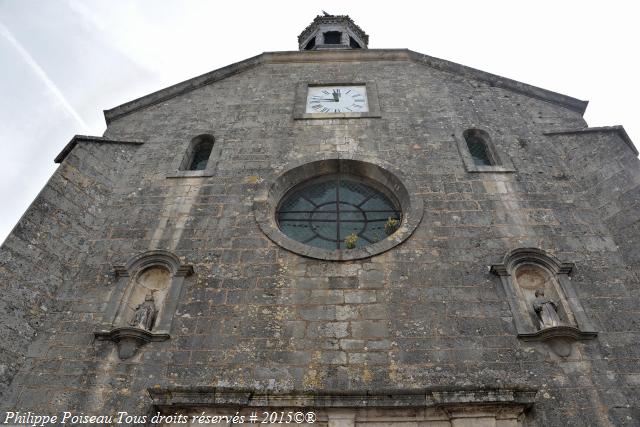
{"x":495,"y":80}
{"x":161,"y":95}
{"x":619,"y":129}
{"x":180,"y":88}
{"x":87,"y":138}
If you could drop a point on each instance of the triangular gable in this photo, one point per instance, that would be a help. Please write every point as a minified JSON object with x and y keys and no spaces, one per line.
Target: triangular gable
{"x":345,"y":56}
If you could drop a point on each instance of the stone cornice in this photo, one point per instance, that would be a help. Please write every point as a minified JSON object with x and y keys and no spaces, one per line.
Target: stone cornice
{"x":613,"y":129}
{"x":92,"y":139}
{"x":184,"y":397}
{"x":355,"y":55}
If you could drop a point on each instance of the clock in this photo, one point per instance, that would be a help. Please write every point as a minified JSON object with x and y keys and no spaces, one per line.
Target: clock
{"x":337,"y":99}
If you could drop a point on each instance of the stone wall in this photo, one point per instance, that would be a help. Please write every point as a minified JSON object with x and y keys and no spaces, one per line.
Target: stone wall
{"x":45,"y":257}
{"x":427,"y":313}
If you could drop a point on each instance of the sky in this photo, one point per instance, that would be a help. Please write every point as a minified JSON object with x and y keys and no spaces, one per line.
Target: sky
{"x":62,"y":62}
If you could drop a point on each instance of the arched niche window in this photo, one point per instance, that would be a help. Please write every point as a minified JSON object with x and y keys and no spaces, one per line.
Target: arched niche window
{"x":143,"y":301}
{"x":198,"y":154}
{"x":479,"y":152}
{"x":198,"y":158}
{"x":151,"y":284}
{"x":332,"y":37}
{"x":310,"y":44}
{"x":477,"y":143}
{"x":532,"y":278}
{"x":542,"y":299}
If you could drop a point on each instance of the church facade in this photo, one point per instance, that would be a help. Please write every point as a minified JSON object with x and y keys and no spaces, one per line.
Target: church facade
{"x":338,"y":236}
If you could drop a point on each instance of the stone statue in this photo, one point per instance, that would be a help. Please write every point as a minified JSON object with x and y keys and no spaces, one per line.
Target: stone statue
{"x":145,"y":314}
{"x":546,"y":309}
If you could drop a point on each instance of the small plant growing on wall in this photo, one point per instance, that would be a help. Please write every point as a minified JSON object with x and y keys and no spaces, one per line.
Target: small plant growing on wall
{"x":391,"y":226}
{"x":351,"y":240}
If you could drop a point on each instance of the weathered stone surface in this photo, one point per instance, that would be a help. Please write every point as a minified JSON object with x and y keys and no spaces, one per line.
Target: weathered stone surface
{"x":425,"y":314}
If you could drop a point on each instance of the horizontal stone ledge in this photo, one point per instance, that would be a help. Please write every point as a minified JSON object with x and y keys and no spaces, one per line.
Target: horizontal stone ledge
{"x":618,"y":129}
{"x":185,"y":397}
{"x":91,"y":139}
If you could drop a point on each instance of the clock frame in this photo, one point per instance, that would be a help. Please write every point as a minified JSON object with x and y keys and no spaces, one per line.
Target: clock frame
{"x":303,"y":108}
{"x":337,"y":99}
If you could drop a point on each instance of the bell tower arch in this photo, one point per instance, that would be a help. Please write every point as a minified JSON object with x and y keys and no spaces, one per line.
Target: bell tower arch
{"x":332,"y":32}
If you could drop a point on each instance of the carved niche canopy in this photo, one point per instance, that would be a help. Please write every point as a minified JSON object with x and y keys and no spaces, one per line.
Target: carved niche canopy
{"x":575,"y":323}
{"x":115,"y":326}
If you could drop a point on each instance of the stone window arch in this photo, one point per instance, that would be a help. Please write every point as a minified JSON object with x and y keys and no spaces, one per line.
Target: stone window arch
{"x":198,"y":153}
{"x":526,"y":271}
{"x":478,"y":145}
{"x":199,"y":157}
{"x":158,"y":274}
{"x":479,"y":151}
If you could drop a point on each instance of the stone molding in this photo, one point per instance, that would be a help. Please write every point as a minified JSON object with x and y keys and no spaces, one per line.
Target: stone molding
{"x":151,"y":258}
{"x":272,"y":191}
{"x":91,"y":139}
{"x":129,"y":339}
{"x":185,"y":397}
{"x":518,"y":256}
{"x":349,"y":55}
{"x":563,"y":331}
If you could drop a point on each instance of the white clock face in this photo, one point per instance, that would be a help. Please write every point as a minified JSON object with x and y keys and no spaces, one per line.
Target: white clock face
{"x":337,"y":99}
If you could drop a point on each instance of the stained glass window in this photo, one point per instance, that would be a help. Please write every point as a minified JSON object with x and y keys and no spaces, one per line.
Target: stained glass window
{"x":325,"y":211}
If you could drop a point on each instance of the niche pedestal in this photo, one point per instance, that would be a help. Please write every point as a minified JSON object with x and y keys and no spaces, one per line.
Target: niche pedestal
{"x":130,"y":339}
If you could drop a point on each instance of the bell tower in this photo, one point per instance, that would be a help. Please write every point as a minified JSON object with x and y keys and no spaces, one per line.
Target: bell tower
{"x":332,"y":32}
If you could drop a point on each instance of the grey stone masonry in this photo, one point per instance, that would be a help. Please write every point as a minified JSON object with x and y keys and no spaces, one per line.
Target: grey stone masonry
{"x":420,"y":315}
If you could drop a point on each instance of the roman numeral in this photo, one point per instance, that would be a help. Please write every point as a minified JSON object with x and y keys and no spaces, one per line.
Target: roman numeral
{"x":326,"y":92}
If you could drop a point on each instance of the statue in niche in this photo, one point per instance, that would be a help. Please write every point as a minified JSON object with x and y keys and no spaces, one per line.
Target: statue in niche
{"x":546,"y":309}
{"x":145,"y":314}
